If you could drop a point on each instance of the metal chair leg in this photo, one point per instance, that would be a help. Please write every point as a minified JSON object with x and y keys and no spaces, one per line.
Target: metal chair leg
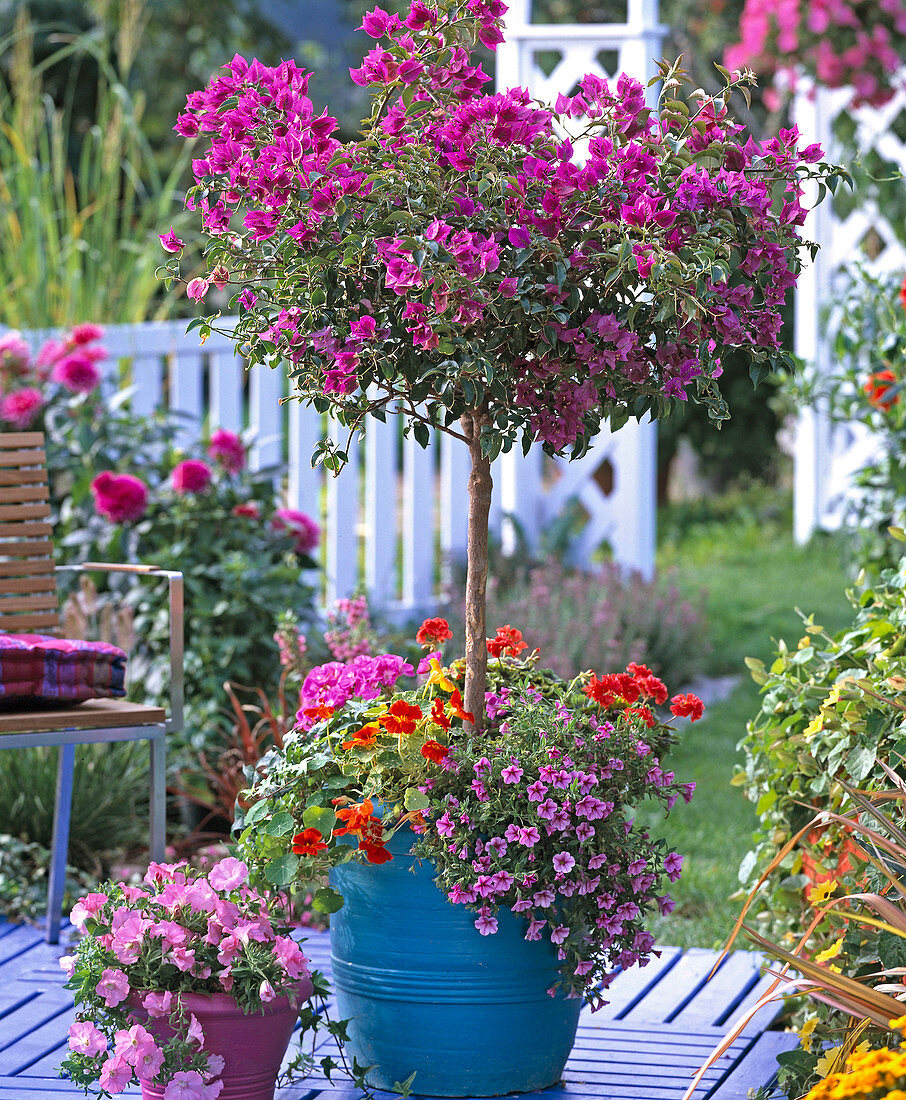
{"x":158,"y":837}
{"x":62,"y":815}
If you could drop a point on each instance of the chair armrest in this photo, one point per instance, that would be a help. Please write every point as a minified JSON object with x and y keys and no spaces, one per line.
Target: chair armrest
{"x":177,"y":630}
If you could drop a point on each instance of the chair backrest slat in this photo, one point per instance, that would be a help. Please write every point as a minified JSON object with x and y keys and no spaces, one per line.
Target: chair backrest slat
{"x":28,"y":589}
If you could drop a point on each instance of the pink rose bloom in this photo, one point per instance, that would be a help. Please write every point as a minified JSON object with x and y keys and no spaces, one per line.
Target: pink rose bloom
{"x":191,"y":476}
{"x":84,"y":334}
{"x":227,"y":448}
{"x":77,"y":373}
{"x":303,"y":528}
{"x":20,"y":407}
{"x":121,"y":498}
{"x":250,"y":510}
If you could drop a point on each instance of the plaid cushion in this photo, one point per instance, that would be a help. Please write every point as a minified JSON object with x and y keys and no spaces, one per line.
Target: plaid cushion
{"x":59,"y":670}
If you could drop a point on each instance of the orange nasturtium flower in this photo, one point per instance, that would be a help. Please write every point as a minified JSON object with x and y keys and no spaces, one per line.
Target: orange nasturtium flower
{"x":308,"y":843}
{"x":355,"y":818}
{"x":318,"y":713}
{"x":401,"y":717}
{"x":439,"y":714}
{"x":363,"y":738}
{"x":434,"y":751}
{"x":876,"y":389}
{"x":456,"y":707}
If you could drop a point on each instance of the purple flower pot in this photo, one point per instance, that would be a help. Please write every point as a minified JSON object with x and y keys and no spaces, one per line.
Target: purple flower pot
{"x":252,"y":1046}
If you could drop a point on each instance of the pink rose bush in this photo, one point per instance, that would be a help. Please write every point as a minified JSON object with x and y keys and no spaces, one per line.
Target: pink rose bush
{"x":61,"y":369}
{"x":121,"y":498}
{"x":535,"y":814}
{"x":859,"y":44}
{"x":191,"y":476}
{"x":180,"y":931}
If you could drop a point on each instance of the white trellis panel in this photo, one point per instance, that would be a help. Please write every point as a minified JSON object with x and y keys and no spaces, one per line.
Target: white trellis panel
{"x":828,"y":455}
{"x":625,"y":516}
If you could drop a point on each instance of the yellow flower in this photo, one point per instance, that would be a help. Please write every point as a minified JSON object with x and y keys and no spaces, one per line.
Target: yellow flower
{"x":438,"y":676}
{"x":899,"y":1024}
{"x":818,"y":895}
{"x":830,"y":952}
{"x":805,"y":1033}
{"x":832,"y":1060}
{"x":803,"y":642}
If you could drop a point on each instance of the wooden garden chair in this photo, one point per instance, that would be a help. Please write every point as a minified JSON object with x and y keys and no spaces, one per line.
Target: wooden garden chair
{"x":28,"y":604}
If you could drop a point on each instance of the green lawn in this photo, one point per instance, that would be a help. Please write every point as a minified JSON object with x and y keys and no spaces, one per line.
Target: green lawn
{"x":755,"y":577}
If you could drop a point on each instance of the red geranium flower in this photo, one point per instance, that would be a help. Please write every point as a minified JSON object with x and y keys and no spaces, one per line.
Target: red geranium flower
{"x":308,"y":843}
{"x":507,"y":640}
{"x":687,"y":706}
{"x":903,"y":294}
{"x":877,"y":386}
{"x":434,"y":751}
{"x":433,"y":631}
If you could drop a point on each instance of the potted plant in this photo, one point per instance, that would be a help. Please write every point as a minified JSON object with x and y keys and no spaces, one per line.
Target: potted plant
{"x":184,"y":984}
{"x":460,"y":265}
{"x":526,"y":828}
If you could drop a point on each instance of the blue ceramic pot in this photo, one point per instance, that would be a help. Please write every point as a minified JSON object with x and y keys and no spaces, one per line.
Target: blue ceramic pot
{"x":426,"y":992}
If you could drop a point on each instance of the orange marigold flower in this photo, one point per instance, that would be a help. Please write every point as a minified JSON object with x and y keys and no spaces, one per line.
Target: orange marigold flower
{"x":507,"y":640}
{"x":433,"y":631}
{"x":687,"y":706}
{"x":439,"y":714}
{"x":401,"y":717}
{"x":877,"y":387}
{"x":434,"y":751}
{"x":456,"y":707}
{"x":308,"y":843}
{"x":363,"y":738}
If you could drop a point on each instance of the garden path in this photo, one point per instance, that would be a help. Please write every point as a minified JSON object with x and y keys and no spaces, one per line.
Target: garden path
{"x":659,"y":1027}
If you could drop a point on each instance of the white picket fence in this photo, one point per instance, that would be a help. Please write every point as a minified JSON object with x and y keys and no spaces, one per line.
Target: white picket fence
{"x":395,"y":518}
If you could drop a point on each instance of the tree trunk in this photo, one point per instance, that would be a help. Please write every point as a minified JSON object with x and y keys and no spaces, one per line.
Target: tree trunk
{"x":480,"y":486}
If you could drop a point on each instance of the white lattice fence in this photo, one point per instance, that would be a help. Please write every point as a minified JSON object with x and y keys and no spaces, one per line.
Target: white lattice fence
{"x":829,"y":455}
{"x":614,"y":485}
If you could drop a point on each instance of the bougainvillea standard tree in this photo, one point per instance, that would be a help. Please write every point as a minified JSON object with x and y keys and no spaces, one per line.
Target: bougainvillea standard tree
{"x":461,"y":264}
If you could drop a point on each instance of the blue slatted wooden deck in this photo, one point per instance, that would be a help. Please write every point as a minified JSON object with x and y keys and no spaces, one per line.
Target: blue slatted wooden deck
{"x":661,"y":1023}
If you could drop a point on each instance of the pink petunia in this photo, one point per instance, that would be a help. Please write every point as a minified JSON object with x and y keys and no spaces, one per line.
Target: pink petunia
{"x":486,"y":924}
{"x":85,"y":1038}
{"x":121,"y":498}
{"x":228,"y":874}
{"x":116,"y":1074}
{"x":191,"y":476}
{"x":113,"y":987}
{"x":563,"y":863}
{"x":20,"y":407}
{"x":189,"y":1085}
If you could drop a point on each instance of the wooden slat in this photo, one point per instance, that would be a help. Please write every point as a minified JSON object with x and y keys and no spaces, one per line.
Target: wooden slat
{"x":26,"y":603}
{"x":45,"y":583}
{"x":23,"y":567}
{"x":36,"y":457}
{"x":24,"y":624}
{"x":27,"y":548}
{"x":12,"y":440}
{"x":34,"y":530}
{"x":34,"y":476}
{"x":19,"y":494}
{"x":93,"y":714}
{"x":24,"y":511}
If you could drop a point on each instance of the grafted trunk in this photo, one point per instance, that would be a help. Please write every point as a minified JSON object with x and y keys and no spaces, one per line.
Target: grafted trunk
{"x":480,"y":486}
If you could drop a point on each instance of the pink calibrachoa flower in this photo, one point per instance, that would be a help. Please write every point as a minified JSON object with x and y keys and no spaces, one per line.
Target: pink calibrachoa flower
{"x":121,"y":498}
{"x":21,"y":407}
{"x":227,"y":449}
{"x":190,"y":476}
{"x":486,"y":924}
{"x":190,"y":1085}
